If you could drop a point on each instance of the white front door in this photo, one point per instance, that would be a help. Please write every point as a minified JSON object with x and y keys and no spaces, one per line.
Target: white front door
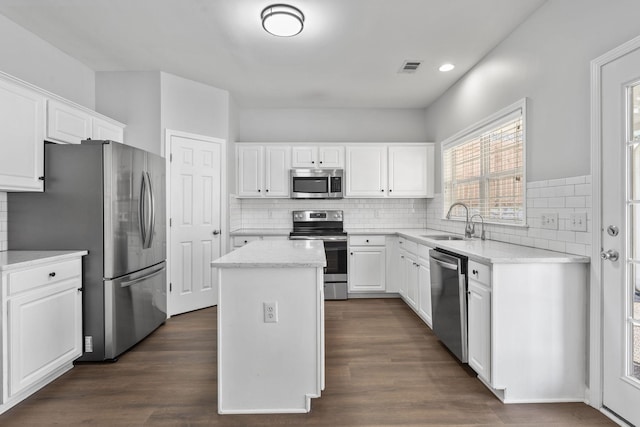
{"x":620,"y":108}
{"x":196,"y":175}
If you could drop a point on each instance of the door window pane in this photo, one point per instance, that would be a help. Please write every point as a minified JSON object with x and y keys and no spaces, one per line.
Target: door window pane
{"x":635,"y":113}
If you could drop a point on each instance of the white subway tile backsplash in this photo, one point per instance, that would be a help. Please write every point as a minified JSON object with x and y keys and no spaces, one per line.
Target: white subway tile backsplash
{"x":562,"y":196}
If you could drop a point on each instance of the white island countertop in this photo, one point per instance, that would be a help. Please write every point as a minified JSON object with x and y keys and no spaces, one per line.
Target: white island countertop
{"x":10,"y":260}
{"x":275,"y":253}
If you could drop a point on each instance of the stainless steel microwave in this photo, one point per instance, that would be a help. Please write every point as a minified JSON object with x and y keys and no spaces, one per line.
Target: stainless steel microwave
{"x":316,"y":183}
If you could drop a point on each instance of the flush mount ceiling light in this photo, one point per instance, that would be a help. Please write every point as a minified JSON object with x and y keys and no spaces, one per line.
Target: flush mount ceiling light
{"x":282,"y":20}
{"x":446,"y":67}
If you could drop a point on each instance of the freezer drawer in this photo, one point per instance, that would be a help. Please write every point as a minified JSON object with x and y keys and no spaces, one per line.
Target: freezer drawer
{"x":135,"y":305}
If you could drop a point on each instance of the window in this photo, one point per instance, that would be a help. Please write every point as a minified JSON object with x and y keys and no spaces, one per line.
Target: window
{"x":484,"y":168}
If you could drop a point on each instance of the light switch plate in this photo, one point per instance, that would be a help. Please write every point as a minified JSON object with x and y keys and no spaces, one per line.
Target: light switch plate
{"x":577,"y":221}
{"x":549,"y":221}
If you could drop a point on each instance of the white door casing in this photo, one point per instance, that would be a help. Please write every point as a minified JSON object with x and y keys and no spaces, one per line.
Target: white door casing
{"x":613,"y":146}
{"x":197,"y":209}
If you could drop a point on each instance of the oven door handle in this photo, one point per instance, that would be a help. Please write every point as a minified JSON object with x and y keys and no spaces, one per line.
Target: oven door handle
{"x":326,"y":238}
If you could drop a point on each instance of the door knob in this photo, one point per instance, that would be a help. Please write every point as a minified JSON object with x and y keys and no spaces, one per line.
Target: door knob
{"x":216,"y":232}
{"x":609,"y":255}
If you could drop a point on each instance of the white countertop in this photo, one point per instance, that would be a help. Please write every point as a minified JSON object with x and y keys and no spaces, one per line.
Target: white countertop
{"x":19,"y":259}
{"x":275,"y":254}
{"x":487,"y":251}
{"x":261,"y":232}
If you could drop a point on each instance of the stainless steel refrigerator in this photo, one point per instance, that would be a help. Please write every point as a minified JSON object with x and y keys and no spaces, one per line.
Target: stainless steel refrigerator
{"x":108,"y":198}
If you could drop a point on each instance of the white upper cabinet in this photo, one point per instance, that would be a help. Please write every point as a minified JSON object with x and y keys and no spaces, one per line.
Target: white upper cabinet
{"x":263,"y":171}
{"x":366,"y":171}
{"x":390,"y":170}
{"x":276,"y":171}
{"x":317,"y":157}
{"x":103,"y":130}
{"x":250,"y":160}
{"x":411,"y":170}
{"x":69,"y":124}
{"x":22,"y":119}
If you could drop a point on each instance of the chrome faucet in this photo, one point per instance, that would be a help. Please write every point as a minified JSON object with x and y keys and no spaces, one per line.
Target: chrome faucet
{"x":473,"y":227}
{"x":468,"y":228}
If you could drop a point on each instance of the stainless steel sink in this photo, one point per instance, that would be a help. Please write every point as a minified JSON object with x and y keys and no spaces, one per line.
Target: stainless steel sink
{"x":442,"y":237}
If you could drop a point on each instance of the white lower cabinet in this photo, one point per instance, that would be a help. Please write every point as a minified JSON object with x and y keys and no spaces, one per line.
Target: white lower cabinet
{"x":367,"y":264}
{"x":42,"y":327}
{"x":424,"y":291}
{"x":479,"y":328}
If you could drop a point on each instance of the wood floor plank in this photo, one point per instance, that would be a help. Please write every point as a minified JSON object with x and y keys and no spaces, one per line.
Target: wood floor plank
{"x":384,"y":367}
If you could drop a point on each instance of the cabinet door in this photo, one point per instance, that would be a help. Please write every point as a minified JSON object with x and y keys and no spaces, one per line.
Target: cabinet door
{"x":44,"y":333}
{"x":366,"y":171}
{"x":411,"y":171}
{"x":304,"y":157}
{"x":367,"y":269}
{"x":479,"y":329}
{"x":250,"y":170}
{"x":331,"y":157}
{"x":276,"y":168}
{"x":67,"y":124}
{"x":22,"y":120}
{"x":102,"y":130}
{"x":412,"y":282}
{"x":424,"y":292}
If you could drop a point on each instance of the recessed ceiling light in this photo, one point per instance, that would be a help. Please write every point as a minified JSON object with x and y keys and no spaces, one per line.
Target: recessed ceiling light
{"x":282,"y":20}
{"x":446,"y":67}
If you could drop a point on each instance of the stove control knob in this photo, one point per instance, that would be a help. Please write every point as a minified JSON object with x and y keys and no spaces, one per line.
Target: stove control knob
{"x":336,"y":216}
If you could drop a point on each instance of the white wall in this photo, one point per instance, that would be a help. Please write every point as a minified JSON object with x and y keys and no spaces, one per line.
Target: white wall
{"x":194,"y":107}
{"x":547,"y":60}
{"x":331,"y":125}
{"x":30,"y":58}
{"x":133,"y":98}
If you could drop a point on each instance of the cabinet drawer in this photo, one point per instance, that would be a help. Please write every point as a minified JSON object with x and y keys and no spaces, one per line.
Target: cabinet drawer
{"x":408,"y":245}
{"x":423,"y":252}
{"x":480,"y":272}
{"x":239,"y":241}
{"x":43,"y":275}
{"x":367,"y":240}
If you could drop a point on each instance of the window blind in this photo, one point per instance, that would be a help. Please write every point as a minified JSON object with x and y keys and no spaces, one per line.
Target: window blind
{"x":485,"y":170}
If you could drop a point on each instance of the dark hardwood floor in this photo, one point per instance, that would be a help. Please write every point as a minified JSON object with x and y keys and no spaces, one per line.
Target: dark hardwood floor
{"x":384,"y":367}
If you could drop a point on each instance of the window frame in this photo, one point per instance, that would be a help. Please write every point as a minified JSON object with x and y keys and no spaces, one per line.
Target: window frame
{"x":474,"y":131}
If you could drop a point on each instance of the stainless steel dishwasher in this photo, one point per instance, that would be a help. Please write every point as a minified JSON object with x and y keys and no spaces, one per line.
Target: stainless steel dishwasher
{"x":449,"y":300}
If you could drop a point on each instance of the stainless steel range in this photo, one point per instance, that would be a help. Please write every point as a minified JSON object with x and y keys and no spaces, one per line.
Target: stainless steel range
{"x":326,"y":226}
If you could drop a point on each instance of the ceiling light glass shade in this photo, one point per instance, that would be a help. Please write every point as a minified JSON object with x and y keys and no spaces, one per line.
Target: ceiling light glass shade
{"x":446,"y":67}
{"x":282,"y":20}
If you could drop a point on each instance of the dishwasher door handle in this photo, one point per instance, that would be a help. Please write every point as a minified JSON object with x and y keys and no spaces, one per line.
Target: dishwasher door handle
{"x":446,"y":265}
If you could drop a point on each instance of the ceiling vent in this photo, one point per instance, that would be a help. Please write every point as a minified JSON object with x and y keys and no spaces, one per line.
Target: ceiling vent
{"x":410,"y":66}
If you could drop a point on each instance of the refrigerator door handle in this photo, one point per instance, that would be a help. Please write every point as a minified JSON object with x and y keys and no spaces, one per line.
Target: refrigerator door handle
{"x":152,"y":219}
{"x":147,"y":211}
{"x":142,"y":212}
{"x":140,"y":279}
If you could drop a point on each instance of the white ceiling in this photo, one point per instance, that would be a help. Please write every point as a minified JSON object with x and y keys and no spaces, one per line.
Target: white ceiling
{"x":348,"y":54}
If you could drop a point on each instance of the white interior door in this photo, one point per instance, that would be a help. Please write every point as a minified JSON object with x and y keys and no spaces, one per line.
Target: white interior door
{"x":621,"y":235}
{"x":196,"y":208}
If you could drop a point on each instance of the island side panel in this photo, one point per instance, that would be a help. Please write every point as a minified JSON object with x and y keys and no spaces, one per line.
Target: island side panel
{"x":269,"y":367}
{"x":539,"y":331}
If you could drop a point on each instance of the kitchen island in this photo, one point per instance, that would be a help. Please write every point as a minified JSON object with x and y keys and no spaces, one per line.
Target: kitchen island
{"x":270,"y":327}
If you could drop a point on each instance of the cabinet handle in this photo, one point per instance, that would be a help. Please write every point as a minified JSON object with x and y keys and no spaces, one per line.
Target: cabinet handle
{"x":382,"y":190}
{"x":313,"y":162}
{"x":351,"y":253}
{"x":41,"y":178}
{"x":52,"y":274}
{"x":320,"y":161}
{"x":475,"y":272}
{"x":390,"y":190}
{"x":259,"y":191}
{"x":367,"y":240}
{"x":246,"y":241}
{"x":266,"y":191}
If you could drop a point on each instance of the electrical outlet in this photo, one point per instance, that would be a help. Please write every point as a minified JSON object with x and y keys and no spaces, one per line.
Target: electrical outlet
{"x":549,"y":221}
{"x":270,"y":312}
{"x":577,"y":221}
